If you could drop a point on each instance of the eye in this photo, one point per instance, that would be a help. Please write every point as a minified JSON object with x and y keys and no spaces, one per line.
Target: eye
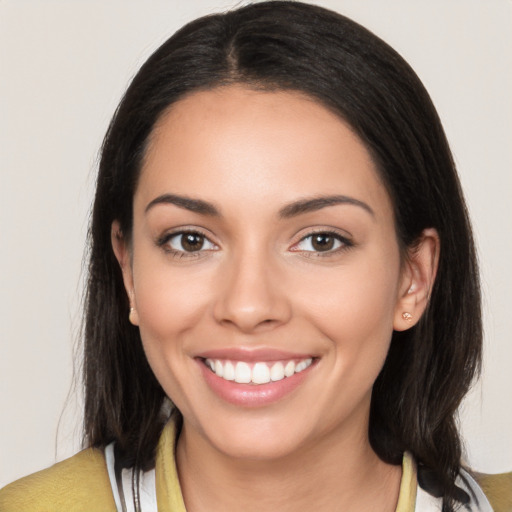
{"x":187,"y":242}
{"x":322,"y":242}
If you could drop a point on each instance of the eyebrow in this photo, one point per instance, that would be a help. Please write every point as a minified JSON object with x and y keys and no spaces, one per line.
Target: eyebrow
{"x":290,"y":210}
{"x":187,"y":203}
{"x":317,"y":203}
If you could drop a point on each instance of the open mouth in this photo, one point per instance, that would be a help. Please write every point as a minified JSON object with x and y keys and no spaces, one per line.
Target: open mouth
{"x":263,"y":372}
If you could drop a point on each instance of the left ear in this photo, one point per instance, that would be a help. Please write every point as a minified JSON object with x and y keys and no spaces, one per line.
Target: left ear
{"x":418,"y":276}
{"x":122,"y":253}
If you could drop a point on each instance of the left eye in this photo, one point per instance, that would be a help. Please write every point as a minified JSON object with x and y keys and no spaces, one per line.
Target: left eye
{"x":320,"y":242}
{"x":190,"y":242}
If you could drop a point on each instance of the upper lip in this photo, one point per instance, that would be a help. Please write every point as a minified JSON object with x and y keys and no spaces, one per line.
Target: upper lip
{"x":251,"y":354}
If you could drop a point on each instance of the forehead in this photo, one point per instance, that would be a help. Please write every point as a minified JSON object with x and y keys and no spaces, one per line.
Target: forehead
{"x":233,"y":142}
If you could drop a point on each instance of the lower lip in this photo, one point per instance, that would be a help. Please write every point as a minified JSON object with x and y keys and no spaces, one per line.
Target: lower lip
{"x":252,"y":395}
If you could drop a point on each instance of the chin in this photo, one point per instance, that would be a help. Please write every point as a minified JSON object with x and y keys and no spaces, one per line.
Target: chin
{"x":258,"y":448}
{"x":256,"y":439}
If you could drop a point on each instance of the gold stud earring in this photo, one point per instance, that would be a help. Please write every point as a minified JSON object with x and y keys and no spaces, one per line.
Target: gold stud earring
{"x":407,"y":316}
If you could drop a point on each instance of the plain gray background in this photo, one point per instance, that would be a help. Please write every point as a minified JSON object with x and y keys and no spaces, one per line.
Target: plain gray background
{"x":63,"y":68}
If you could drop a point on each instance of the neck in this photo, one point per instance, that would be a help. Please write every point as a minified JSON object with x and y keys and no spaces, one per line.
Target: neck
{"x":338,"y":473}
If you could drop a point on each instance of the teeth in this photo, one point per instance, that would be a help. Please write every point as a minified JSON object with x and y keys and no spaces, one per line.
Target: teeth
{"x":242,"y":373}
{"x":261,"y":373}
{"x":219,"y":369}
{"x":289,"y":369}
{"x":229,"y":371}
{"x":277,"y":372}
{"x":298,"y":368}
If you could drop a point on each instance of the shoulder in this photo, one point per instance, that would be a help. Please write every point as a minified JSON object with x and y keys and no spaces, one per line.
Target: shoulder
{"x":80,"y":483}
{"x":498,"y":489}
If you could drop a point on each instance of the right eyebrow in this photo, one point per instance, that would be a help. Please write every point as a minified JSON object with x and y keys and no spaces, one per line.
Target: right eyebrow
{"x":187,"y":203}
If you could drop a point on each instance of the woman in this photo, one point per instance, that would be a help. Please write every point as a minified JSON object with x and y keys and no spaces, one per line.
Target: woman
{"x":279,"y":244}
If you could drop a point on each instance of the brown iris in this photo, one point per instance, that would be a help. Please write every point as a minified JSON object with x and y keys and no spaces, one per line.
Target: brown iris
{"x":192,"y":242}
{"x":322,"y":242}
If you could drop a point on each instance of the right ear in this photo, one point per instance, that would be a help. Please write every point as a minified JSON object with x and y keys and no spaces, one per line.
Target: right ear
{"x":123,"y":256}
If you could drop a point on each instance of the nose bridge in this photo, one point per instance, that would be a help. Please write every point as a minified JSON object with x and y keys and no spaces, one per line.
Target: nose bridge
{"x":250,"y":294}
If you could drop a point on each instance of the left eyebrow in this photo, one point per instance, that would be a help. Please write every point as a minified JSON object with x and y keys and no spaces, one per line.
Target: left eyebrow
{"x":317,"y":203}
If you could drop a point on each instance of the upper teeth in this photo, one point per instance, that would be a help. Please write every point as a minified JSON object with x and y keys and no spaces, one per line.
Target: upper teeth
{"x":260,"y":373}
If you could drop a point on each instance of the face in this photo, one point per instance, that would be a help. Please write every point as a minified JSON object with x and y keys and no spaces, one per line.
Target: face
{"x":264,"y":271}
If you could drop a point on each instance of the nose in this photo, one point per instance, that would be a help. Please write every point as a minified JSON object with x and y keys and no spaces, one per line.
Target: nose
{"x":251,"y":296}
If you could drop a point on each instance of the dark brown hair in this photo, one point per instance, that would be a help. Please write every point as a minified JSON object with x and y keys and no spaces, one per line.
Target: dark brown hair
{"x":296,"y":46}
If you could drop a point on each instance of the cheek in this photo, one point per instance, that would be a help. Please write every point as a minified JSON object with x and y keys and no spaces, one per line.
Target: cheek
{"x":171,"y":304}
{"x":353,"y":311}
{"x":353,"y":307}
{"x":169,"y":301}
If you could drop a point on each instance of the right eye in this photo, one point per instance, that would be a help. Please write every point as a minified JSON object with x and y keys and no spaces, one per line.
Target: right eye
{"x":187,"y":242}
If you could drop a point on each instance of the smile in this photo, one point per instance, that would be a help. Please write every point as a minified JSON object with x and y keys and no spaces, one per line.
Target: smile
{"x":243,"y":372}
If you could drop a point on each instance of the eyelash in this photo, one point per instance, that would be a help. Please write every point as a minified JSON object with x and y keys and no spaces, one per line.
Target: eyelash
{"x":163,"y":242}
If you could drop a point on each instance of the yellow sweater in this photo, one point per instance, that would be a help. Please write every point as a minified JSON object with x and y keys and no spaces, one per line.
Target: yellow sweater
{"x":78,"y":484}
{"x":81,"y":484}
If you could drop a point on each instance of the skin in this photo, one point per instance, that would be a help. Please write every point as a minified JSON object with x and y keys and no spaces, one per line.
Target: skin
{"x":257,"y":283}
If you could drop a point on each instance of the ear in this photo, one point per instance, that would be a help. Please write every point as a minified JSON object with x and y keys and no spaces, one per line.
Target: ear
{"x":123,"y":256}
{"x":418,"y":276}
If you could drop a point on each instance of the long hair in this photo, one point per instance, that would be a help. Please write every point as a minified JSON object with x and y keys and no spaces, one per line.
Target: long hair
{"x":283,"y":45}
